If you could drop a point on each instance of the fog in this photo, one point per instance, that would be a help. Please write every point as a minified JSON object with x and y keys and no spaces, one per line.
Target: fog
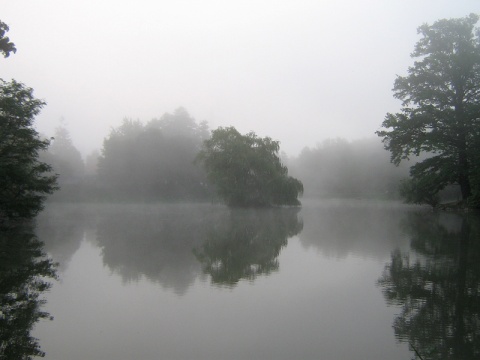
{"x":299,"y":72}
{"x":158,"y":161}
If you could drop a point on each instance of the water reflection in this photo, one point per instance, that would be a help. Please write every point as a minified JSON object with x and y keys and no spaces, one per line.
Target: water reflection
{"x":342,"y":228}
{"x":246,"y":243}
{"x":62,"y":227}
{"x":173,"y":245}
{"x":437,"y":286}
{"x":155,"y":242}
{"x":24,"y":270}
{"x":175,"y":249}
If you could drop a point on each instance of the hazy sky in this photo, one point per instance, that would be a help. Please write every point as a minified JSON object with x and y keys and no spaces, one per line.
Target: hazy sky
{"x":297,"y":71}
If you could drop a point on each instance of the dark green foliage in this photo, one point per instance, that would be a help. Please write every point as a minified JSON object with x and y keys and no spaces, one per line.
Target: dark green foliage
{"x":6,"y":46}
{"x":24,"y":269}
{"x":419,"y":191}
{"x":441,"y":102}
{"x":24,"y":180}
{"x":247,"y":171}
{"x":474,"y":200}
{"x":154,"y":161}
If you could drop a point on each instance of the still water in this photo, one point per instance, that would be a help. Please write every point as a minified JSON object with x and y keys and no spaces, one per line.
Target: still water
{"x":332,"y":280}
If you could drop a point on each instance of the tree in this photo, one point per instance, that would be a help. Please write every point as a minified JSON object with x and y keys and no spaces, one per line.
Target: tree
{"x":180,"y":125}
{"x":247,"y":171}
{"x":66,"y":160}
{"x":154,"y":161}
{"x":419,"y":191}
{"x":24,"y":180}
{"x":440,"y":107}
{"x":337,"y":168}
{"x":6,"y":46}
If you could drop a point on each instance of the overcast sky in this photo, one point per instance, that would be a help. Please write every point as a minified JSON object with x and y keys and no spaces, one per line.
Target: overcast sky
{"x":297,"y":71}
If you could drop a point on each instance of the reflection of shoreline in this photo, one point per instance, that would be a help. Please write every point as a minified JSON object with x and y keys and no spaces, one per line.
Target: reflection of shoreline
{"x":246,"y":243}
{"x":62,"y":227}
{"x":157,"y":241}
{"x":339,"y":228}
{"x":436,"y":284}
{"x":24,"y":270}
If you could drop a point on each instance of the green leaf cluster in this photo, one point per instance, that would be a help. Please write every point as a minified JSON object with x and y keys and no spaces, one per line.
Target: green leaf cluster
{"x":247,"y":171}
{"x":24,"y":180}
{"x":6,"y":46}
{"x":441,"y":103}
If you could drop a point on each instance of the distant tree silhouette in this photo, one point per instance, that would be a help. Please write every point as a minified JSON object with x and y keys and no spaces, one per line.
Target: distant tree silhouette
{"x":154,"y":161}
{"x":337,"y":168}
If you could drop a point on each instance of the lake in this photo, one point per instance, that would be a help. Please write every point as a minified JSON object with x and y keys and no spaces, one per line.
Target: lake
{"x":331,"y":280}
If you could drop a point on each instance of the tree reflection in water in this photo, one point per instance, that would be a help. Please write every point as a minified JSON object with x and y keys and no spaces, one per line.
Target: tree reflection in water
{"x":246,"y":243}
{"x":230,"y":244}
{"x":437,"y":286}
{"x":155,"y":242}
{"x":24,"y":270}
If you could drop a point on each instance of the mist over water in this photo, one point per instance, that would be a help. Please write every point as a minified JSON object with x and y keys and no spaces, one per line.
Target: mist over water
{"x":205,"y":281}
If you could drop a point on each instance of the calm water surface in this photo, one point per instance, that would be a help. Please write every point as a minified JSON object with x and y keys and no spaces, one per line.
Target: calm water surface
{"x":332,"y":280}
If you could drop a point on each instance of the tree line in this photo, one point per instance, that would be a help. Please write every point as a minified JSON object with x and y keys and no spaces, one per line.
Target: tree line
{"x":337,"y":168}
{"x":175,"y":158}
{"x":163,"y":160}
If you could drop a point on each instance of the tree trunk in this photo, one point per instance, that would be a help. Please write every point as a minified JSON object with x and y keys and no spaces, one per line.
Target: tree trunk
{"x":459,"y":337}
{"x":460,"y":119}
{"x":463,"y":178}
